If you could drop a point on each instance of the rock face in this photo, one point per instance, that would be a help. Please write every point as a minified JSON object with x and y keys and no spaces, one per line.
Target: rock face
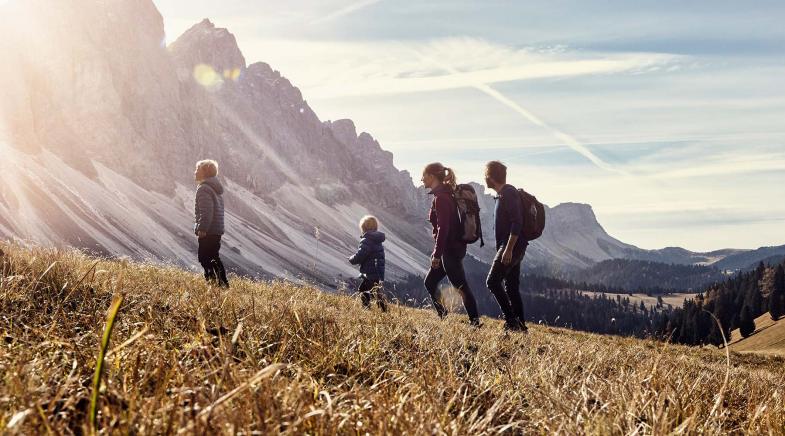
{"x":573,"y":239}
{"x":101,"y":124}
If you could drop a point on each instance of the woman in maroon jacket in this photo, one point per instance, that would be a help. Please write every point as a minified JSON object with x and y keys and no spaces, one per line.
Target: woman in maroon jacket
{"x":449,"y":250}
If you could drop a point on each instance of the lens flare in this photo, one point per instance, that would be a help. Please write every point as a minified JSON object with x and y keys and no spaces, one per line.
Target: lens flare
{"x":206,"y":76}
{"x":232,"y":74}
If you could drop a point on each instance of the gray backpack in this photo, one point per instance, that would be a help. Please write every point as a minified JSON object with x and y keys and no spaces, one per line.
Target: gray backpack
{"x":470,"y":228}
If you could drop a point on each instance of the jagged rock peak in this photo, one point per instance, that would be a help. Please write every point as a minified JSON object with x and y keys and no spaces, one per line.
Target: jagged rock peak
{"x":344,"y":130}
{"x":576,"y":213}
{"x":206,"y":44}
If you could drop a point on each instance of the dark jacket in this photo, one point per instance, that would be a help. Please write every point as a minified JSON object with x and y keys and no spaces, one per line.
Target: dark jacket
{"x":444,"y":220}
{"x":209,"y":207}
{"x":508,"y":216}
{"x":370,"y":256}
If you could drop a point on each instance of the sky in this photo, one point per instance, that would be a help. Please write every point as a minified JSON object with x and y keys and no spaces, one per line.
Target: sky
{"x":665,"y":116}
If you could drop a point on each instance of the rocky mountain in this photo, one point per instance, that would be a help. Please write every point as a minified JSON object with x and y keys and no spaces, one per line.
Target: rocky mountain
{"x":573,"y":238}
{"x":101,"y":123}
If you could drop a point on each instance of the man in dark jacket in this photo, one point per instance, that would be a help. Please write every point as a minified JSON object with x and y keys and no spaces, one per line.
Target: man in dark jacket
{"x":505,"y":274}
{"x":209,"y":221}
{"x":370,"y":257}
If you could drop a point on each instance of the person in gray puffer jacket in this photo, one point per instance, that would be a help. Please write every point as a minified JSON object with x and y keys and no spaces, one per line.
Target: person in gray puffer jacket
{"x":209,"y":221}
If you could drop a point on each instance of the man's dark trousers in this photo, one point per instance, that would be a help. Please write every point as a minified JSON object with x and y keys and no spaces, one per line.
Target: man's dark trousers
{"x":504,"y":283}
{"x":214,"y":270}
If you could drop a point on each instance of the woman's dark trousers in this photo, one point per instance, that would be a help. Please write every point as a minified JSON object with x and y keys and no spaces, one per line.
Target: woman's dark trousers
{"x":452,"y":268}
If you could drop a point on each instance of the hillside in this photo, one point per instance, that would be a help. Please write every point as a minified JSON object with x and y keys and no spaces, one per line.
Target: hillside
{"x":769,"y":337}
{"x":636,"y":275}
{"x":749,"y":258}
{"x":272,"y":357}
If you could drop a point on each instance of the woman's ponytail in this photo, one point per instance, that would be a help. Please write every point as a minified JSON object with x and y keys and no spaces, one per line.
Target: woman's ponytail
{"x":443,"y":174}
{"x":449,"y":178}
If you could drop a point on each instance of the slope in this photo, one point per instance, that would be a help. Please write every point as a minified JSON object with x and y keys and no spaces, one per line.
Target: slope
{"x":278,"y":358}
{"x":769,"y":337}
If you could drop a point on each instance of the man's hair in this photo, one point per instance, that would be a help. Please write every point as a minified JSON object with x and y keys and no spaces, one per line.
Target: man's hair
{"x":497,"y":171}
{"x":369,"y":223}
{"x":209,"y":166}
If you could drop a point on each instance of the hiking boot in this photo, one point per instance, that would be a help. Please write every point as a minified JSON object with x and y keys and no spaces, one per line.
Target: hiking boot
{"x":475,"y":323}
{"x":514,"y":325}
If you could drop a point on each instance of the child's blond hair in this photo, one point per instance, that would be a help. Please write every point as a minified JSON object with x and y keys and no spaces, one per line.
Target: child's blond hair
{"x":369,"y":223}
{"x":208,"y":167}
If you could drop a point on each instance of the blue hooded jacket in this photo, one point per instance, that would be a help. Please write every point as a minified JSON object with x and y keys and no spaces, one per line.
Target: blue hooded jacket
{"x":370,"y":256}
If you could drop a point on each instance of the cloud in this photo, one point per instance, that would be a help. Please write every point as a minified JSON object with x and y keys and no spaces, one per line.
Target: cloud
{"x":348,"y":69}
{"x":565,"y":137}
{"x":354,"y":7}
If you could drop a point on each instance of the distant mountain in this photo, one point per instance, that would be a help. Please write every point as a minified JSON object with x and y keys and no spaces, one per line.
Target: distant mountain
{"x":636,"y":275}
{"x":575,"y":240}
{"x":744,"y":259}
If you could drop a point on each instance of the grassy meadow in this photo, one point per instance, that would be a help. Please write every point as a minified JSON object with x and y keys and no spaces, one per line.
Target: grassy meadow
{"x":273,"y":357}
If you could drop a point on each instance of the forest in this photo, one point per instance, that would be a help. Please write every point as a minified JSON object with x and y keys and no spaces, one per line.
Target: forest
{"x":732,"y":304}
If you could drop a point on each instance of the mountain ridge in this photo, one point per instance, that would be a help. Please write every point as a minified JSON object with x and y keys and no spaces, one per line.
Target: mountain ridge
{"x":99,"y":144}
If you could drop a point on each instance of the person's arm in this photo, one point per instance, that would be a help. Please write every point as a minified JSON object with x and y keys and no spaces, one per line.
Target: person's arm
{"x":514,"y":209}
{"x":443,"y":223}
{"x":361,"y":255}
{"x":205,"y":206}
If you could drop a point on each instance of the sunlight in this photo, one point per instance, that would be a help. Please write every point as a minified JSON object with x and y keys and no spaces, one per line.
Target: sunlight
{"x":206,"y":76}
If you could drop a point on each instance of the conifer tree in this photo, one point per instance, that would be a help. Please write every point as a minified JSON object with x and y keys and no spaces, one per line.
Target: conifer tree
{"x":746,"y":322}
{"x":777,"y":297}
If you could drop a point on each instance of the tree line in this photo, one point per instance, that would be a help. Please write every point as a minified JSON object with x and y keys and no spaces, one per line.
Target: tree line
{"x":729,"y":305}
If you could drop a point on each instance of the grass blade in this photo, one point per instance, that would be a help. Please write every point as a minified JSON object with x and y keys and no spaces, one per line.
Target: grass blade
{"x":99,"y":365}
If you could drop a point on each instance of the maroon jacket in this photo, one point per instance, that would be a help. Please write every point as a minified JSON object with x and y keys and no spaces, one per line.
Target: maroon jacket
{"x":444,"y":219}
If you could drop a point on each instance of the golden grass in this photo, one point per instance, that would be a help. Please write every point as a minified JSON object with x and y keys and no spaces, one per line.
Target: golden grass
{"x":769,"y":337}
{"x":265,"y":358}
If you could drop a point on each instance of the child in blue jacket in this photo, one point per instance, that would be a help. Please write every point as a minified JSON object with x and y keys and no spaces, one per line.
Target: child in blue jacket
{"x":370,"y":257}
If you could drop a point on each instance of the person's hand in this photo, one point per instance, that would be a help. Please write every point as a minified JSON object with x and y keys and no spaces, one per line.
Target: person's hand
{"x":507,"y":257}
{"x":435,"y":263}
{"x":201,"y":234}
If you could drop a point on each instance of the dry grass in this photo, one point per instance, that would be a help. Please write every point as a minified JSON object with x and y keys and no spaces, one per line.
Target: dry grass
{"x":769,"y":337}
{"x":277,"y":358}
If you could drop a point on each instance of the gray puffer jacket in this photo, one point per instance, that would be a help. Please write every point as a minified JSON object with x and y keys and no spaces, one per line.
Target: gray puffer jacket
{"x":209,"y":208}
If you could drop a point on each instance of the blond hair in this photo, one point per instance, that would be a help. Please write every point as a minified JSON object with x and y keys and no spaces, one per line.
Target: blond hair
{"x":369,"y":223}
{"x":208,"y":167}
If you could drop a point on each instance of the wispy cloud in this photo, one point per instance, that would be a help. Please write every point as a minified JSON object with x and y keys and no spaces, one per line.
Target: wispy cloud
{"x":351,"y":8}
{"x":388,"y":67}
{"x":565,"y":137}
